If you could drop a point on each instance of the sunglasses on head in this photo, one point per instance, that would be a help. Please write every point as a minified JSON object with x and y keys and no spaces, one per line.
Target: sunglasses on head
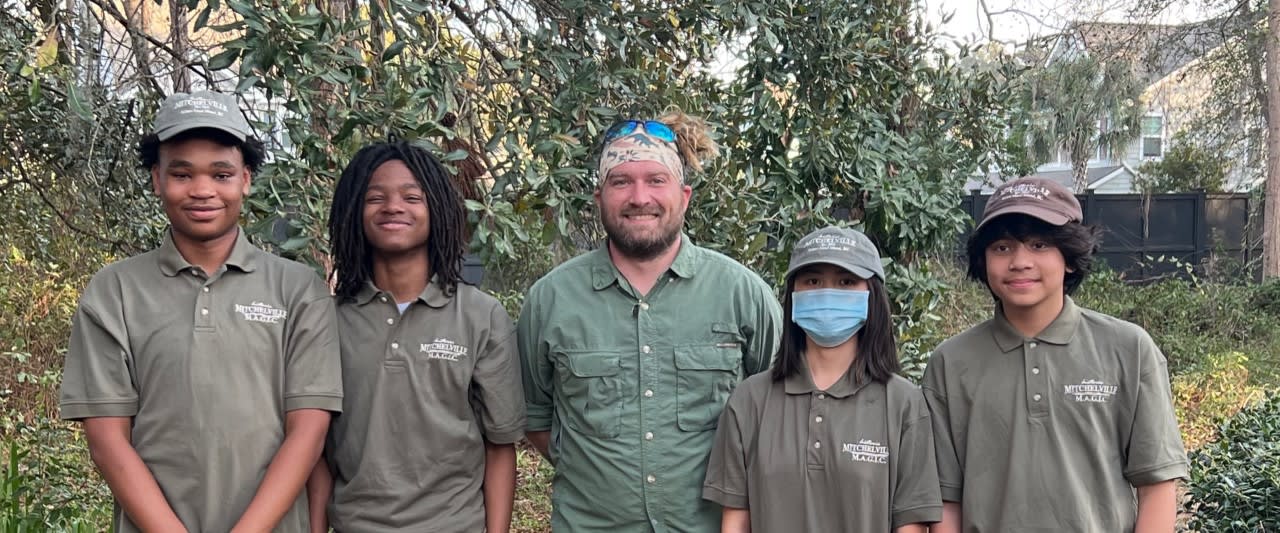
{"x":651,"y":127}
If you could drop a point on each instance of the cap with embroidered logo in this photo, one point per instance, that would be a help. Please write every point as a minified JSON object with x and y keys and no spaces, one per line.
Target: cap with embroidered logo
{"x":202,"y":109}
{"x":1041,"y":198}
{"x":843,"y":247}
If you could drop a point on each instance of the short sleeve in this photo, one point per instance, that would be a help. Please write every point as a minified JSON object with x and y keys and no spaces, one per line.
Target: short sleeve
{"x":726,"y":481}
{"x":950,"y":466}
{"x":1154,"y":452}
{"x":313,"y":375}
{"x":917,"y":498}
{"x":536,"y":371}
{"x":496,"y":392}
{"x":97,"y":377}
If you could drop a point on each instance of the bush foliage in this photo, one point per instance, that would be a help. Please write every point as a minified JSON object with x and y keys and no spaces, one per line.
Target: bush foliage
{"x":1235,"y":482}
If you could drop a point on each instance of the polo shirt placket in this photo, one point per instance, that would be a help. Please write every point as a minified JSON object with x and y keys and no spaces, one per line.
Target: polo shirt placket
{"x":426,"y":389}
{"x":1096,"y":420}
{"x":866,"y":448}
{"x":208,"y":368}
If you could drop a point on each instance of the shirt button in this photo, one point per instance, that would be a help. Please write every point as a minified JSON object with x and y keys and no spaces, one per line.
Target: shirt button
{"x":651,"y":479}
{"x":648,"y":435}
{"x":382,"y":299}
{"x":645,"y":348}
{"x":1031,"y":345}
{"x":648,"y":394}
{"x":391,"y":321}
{"x":204,"y":311}
{"x":817,"y":445}
{"x":1035,"y":370}
{"x":817,"y":419}
{"x":395,"y":345}
{"x":822,"y":396}
{"x":1036,"y":397}
{"x":206,"y":289}
{"x":644,"y":306}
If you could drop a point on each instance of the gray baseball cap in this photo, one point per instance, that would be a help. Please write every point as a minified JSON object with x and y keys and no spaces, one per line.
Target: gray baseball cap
{"x":846,"y":248}
{"x":202,"y":109}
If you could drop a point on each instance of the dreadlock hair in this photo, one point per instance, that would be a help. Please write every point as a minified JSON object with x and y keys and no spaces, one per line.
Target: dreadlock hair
{"x":349,"y":248}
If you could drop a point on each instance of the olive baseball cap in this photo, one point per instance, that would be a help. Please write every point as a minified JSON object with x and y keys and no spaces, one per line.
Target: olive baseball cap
{"x":846,"y":248}
{"x":202,"y":109}
{"x":1041,"y":198}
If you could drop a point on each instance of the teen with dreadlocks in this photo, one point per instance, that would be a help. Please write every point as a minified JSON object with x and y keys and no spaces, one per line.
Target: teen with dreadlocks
{"x":429,"y":364}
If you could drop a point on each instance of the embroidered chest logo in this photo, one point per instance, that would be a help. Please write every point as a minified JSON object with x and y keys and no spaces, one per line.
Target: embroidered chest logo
{"x":443,"y":349}
{"x":867,"y":451}
{"x":260,"y":312}
{"x":1091,"y":391}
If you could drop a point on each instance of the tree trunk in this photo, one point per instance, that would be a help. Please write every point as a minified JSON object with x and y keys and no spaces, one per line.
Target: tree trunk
{"x":179,"y":40}
{"x":1080,"y":172}
{"x":1271,"y":215}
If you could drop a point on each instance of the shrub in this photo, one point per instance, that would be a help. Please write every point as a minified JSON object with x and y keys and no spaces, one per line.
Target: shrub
{"x":47,"y":483}
{"x":1235,"y":482}
{"x":1205,"y":396}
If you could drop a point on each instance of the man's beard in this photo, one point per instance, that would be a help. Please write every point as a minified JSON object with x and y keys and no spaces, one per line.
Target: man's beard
{"x":645,"y":246}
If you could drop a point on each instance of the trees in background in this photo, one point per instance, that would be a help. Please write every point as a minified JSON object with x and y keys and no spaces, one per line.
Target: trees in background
{"x":824,"y":109}
{"x":1081,"y":105}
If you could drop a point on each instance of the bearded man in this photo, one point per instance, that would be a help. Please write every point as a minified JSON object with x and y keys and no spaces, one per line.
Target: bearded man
{"x":629,"y":352}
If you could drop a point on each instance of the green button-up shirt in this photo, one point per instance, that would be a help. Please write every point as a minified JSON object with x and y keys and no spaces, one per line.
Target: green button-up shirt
{"x":631,"y":386}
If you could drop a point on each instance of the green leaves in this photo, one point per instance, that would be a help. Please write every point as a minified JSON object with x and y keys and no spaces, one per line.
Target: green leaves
{"x":1235,"y":481}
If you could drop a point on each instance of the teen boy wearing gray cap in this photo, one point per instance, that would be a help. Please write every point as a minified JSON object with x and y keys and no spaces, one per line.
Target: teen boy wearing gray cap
{"x":205,"y":371}
{"x":831,"y":439}
{"x":1049,"y":416}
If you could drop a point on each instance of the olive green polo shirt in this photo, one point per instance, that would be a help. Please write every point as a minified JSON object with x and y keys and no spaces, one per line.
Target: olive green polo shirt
{"x":424,"y":391}
{"x":631,"y":386}
{"x":1052,"y":432}
{"x":207,"y":365}
{"x":853,"y":457}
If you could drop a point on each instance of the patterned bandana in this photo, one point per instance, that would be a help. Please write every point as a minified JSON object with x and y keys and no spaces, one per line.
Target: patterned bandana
{"x":640,"y":146}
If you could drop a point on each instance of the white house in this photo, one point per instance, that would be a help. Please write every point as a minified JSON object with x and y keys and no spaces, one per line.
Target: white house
{"x":1166,"y":60}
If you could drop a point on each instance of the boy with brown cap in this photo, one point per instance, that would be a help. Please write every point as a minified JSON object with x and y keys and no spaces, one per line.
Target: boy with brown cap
{"x":1049,"y":416}
{"x":205,"y":371}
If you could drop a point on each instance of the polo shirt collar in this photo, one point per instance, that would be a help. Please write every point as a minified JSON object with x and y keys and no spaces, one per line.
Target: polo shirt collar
{"x":801,"y":382}
{"x":242,"y":255}
{"x":432,"y":294}
{"x":604,"y":274}
{"x":1060,"y":331}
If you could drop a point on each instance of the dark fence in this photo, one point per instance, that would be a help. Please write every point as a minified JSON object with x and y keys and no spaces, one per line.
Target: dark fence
{"x":1217,"y":234}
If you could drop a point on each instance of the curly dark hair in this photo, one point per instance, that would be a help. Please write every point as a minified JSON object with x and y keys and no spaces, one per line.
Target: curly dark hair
{"x":349,"y":248}
{"x":1078,"y":243}
{"x":251,"y":148}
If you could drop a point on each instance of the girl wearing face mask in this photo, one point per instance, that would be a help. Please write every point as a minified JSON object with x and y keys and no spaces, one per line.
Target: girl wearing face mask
{"x":831,"y":439}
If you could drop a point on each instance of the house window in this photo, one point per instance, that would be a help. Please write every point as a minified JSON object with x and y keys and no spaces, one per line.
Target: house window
{"x":1152,"y":136}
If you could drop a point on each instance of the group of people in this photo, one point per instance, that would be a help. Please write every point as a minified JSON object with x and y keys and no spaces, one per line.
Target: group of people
{"x":222,"y":388}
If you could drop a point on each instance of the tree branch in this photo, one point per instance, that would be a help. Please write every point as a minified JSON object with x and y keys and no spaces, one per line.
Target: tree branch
{"x":110,"y":9}
{"x":44,"y":198}
{"x":470,"y":23}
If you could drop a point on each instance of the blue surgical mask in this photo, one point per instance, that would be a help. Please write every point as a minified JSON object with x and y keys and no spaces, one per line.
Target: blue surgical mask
{"x":830,"y":316}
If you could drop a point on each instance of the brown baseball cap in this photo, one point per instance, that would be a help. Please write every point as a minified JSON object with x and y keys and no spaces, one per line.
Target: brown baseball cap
{"x":1041,"y":198}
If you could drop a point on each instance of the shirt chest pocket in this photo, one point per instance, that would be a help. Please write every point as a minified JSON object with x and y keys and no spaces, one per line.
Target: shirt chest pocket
{"x":591,"y":391}
{"x":705,"y":376}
